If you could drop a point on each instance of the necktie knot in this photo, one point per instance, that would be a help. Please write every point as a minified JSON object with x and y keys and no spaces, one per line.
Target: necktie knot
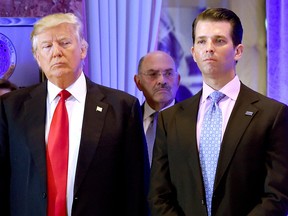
{"x":64,"y":94}
{"x":154,"y":116}
{"x":216,"y":96}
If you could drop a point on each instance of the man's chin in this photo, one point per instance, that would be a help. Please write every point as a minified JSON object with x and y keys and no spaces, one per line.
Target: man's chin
{"x":164,"y":98}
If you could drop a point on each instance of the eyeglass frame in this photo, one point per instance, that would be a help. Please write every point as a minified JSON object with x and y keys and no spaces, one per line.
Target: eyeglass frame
{"x":154,"y":74}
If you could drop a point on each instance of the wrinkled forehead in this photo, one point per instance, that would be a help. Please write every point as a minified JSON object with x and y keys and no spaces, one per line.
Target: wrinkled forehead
{"x":158,"y":62}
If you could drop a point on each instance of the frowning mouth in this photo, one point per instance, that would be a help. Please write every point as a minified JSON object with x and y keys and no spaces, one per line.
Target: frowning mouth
{"x":209,"y":60}
{"x":57,"y":64}
{"x":159,"y":90}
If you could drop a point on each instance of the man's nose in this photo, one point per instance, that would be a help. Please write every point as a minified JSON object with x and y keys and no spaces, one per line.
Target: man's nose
{"x":162,"y":77}
{"x":57,"y":50}
{"x":210,"y":47}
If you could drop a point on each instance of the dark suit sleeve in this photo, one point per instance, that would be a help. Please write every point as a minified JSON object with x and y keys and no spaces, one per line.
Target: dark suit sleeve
{"x":4,"y":164}
{"x":137,"y":164}
{"x":275,"y":198}
{"x":162,"y":195}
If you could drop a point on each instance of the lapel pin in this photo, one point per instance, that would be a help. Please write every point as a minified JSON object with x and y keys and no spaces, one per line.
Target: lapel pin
{"x":99,"y":109}
{"x":248,"y":113}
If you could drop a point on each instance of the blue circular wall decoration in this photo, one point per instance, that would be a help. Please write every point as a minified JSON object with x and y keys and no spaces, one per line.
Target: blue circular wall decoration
{"x":7,"y":57}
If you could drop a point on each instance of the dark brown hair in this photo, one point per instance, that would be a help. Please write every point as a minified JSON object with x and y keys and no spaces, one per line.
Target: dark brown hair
{"x":221,"y":14}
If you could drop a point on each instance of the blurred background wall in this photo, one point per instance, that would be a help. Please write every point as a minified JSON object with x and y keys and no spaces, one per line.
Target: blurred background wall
{"x":120,"y":32}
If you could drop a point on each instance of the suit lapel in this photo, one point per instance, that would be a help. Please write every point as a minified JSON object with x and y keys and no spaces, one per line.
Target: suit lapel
{"x":242,"y":114}
{"x":34,"y":121}
{"x":188,"y":136}
{"x":93,"y":122}
{"x":186,"y":129}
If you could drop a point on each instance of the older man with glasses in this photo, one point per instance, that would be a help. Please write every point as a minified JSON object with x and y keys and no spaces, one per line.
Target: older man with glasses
{"x":159,"y":80}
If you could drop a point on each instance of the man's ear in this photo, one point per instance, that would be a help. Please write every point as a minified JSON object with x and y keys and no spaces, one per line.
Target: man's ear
{"x":238,"y":51}
{"x":36,"y":56}
{"x":84,"y":49}
{"x":137,"y":82}
{"x":193,"y":55}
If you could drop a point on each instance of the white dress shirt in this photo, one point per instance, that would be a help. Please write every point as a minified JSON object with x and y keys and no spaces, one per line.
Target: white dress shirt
{"x":75,"y":108}
{"x":147,"y":114}
{"x":231,"y":90}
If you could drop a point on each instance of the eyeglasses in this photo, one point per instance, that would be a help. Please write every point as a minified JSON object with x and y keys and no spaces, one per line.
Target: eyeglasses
{"x":169,"y":74}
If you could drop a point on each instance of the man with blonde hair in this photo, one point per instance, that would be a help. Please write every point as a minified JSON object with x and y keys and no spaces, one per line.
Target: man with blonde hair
{"x":69,"y":146}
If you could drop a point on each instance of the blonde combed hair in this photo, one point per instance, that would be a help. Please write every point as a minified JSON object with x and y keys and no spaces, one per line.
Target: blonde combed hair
{"x":54,"y":20}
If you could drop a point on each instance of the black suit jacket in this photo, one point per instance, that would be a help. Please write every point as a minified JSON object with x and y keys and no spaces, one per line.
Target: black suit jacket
{"x":110,"y":168}
{"x":252,"y":173}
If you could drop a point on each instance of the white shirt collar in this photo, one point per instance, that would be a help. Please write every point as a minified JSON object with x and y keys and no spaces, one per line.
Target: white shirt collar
{"x":148,"y":110}
{"x":231,"y":89}
{"x":78,"y":89}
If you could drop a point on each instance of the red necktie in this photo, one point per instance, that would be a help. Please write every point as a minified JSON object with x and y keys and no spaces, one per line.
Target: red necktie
{"x":57,"y":158}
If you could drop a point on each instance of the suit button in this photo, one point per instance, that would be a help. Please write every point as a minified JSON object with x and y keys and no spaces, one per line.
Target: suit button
{"x":203,"y":202}
{"x":75,"y":198}
{"x":44,"y":195}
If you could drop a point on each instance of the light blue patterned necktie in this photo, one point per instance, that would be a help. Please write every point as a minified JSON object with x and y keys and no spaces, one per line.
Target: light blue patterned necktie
{"x":210,"y":141}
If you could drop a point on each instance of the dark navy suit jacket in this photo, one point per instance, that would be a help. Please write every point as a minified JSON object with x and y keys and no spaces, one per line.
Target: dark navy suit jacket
{"x":110,"y":176}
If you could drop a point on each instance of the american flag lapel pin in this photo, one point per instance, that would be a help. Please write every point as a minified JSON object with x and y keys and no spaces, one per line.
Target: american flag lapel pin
{"x":248,"y":113}
{"x":99,"y":109}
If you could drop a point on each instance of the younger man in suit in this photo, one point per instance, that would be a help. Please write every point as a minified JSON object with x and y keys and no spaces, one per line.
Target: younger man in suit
{"x":249,"y":175}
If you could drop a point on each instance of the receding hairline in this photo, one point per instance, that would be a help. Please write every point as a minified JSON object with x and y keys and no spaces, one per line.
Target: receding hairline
{"x":150,"y":54}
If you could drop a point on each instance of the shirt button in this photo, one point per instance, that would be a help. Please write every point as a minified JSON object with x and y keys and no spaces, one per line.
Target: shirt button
{"x":44,"y":195}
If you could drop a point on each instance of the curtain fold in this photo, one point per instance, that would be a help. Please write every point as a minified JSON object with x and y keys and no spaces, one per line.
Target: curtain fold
{"x":277,"y":35}
{"x":119,"y":33}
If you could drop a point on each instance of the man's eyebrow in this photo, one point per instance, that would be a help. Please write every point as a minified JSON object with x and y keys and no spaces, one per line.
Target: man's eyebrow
{"x":45,"y":42}
{"x":201,"y":37}
{"x":220,"y":36}
{"x":153,"y":70}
